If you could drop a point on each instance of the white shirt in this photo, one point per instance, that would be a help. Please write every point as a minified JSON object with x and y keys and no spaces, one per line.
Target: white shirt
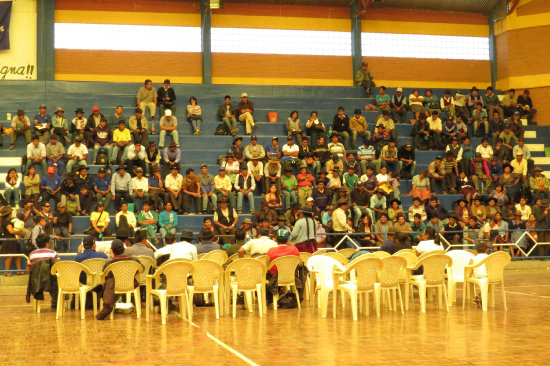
{"x":174,"y":183}
{"x":426,"y":246}
{"x":142,"y":184}
{"x":259,"y":246}
{"x":79,"y":151}
{"x":290,"y":149}
{"x":485,"y":152}
{"x":178,"y":250}
{"x":36,"y":151}
{"x":258,"y":169}
{"x":130,"y":217}
{"x":480,"y":271}
{"x":339,"y":220}
{"x":434,"y":124}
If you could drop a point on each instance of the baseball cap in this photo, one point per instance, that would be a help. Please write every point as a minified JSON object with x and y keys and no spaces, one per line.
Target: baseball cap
{"x":95,"y":108}
{"x":51,"y":169}
{"x":399,"y":89}
{"x":117,"y":246}
{"x":168,"y":112}
{"x":244,"y":95}
{"x":282,"y":234}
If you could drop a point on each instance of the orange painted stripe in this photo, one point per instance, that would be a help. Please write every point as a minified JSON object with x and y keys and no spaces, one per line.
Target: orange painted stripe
{"x":283,"y":10}
{"x":403,"y":15}
{"x":159,"y":6}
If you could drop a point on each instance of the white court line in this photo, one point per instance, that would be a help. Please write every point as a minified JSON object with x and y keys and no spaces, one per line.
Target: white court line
{"x":528,"y":286}
{"x":522,"y":293}
{"x":230,"y":349}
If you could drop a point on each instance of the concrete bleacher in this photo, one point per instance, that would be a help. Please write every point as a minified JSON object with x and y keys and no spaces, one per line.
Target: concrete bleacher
{"x":206,"y":148}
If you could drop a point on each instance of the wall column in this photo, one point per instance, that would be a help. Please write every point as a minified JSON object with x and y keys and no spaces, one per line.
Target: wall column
{"x":492,"y":49}
{"x":356,"y":52}
{"x":45,"y":58}
{"x":206,"y":43}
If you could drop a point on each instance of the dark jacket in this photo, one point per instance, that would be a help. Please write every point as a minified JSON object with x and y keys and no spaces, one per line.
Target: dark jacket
{"x":90,"y":122}
{"x":223,"y":108}
{"x":41,"y":279}
{"x":161,"y":94}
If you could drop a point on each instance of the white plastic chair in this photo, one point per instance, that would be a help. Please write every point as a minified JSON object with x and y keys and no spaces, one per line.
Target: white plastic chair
{"x":364,"y":283}
{"x":433,"y":276}
{"x":176,"y":274}
{"x":405,"y":251}
{"x":95,"y":266}
{"x":147,"y":263}
{"x":338,"y":256}
{"x":68,"y":282}
{"x":455,"y":273}
{"x":495,"y":264}
{"x":405,"y":275}
{"x":262,"y":258}
{"x":207,"y":279}
{"x":389,"y":280}
{"x":380,"y":254}
{"x":219,"y":256}
{"x":347,"y":252}
{"x":124,"y":273}
{"x":246,"y":275}
{"x":286,"y":276}
{"x":323,"y":266}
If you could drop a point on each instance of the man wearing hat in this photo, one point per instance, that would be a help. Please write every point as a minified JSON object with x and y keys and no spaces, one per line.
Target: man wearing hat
{"x":60,"y":125}
{"x":208,"y":243}
{"x":520,"y":166}
{"x":364,"y":78}
{"x":50,"y":187}
{"x":114,"y":119}
{"x":421,"y":133}
{"x":147,"y":98}
{"x":174,"y":183}
{"x":76,"y":153}
{"x":121,"y":186}
{"x":399,"y":106}
{"x":407,"y":160}
{"x":305,"y":230}
{"x":54,"y":153}
{"x":380,"y":138}
{"x":281,"y":224}
{"x":272,"y":172}
{"x":340,"y":218}
{"x":227,"y":113}
{"x":78,"y":124}
{"x":21,"y":125}
{"x":42,"y":124}
{"x":258,"y":246}
{"x":168,"y":125}
{"x":121,"y":139}
{"x":191,"y":189}
{"x":245,"y":111}
{"x":265,"y":213}
{"x":389,"y":125}
{"x":180,"y":250}
{"x":138,"y":127}
{"x":539,"y":185}
{"x":245,"y":185}
{"x":237,"y":150}
{"x":223,"y":187}
{"x":172,"y":156}
{"x":93,"y":121}
{"x":254,"y":150}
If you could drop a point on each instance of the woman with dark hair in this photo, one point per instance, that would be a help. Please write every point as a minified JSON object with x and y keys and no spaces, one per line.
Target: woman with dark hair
{"x":365,"y":226}
{"x":509,"y":181}
{"x":429,"y":242}
{"x":31,"y":182}
{"x":9,"y":246}
{"x":315,"y":129}
{"x":293,"y":127}
{"x":12,"y":193}
{"x":194,"y":115}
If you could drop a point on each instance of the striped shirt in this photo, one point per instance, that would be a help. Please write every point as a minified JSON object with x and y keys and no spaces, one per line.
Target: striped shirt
{"x":42,"y":254}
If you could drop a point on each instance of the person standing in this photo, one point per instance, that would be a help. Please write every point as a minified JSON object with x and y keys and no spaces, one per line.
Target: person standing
{"x":63,"y":226}
{"x":304,"y":232}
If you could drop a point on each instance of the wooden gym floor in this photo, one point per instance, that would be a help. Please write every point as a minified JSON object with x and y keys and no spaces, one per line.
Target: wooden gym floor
{"x":289,"y":337}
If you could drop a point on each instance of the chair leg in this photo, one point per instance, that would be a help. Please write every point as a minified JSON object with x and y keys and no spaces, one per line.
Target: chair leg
{"x":82,"y":304}
{"x":323,"y":297}
{"x":400,"y":299}
{"x":407,"y":289}
{"x":422,"y":296}
{"x":260,"y":299}
{"x":452,"y":291}
{"x":190,"y":304}
{"x":394,"y":298}
{"x":444,"y":291}
{"x":484,"y":294}
{"x":234,"y":290}
{"x":248,"y":301}
{"x":335,"y":301}
{"x":138,"y":302}
{"x":376,"y":295}
{"x":60,"y":304}
{"x":216,"y":301}
{"x":275,"y":301}
{"x":366,"y":303}
{"x":297,"y":296}
{"x":94,"y":299}
{"x":353,"y":296}
{"x":306,"y":288}
{"x":464,"y":289}
{"x":183,"y":305}
{"x":439,"y":301}
{"x":492,"y":286}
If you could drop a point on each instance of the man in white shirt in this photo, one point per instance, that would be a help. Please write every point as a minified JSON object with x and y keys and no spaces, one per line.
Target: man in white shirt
{"x":340,"y":218}
{"x":140,"y":186}
{"x":135,"y":156}
{"x":485,"y":149}
{"x":36,"y":154}
{"x":428,"y":242}
{"x":168,"y":125}
{"x":290,"y":152}
{"x":223,"y":187}
{"x":174,"y":183}
{"x":436,"y":128}
{"x":258,"y":246}
{"x":520,"y":165}
{"x":183,"y":249}
{"x":130,"y":219}
{"x":256,"y":168}
{"x":77,"y":154}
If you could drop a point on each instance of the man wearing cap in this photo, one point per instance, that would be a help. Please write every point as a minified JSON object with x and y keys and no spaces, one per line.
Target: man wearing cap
{"x":21,"y":125}
{"x":180,"y":250}
{"x":168,"y":126}
{"x":138,"y":127}
{"x":42,"y":124}
{"x":88,"y":252}
{"x":510,"y":103}
{"x":36,"y":154}
{"x":245,"y":186}
{"x":54,"y":153}
{"x":50,"y":187}
{"x":147,"y":98}
{"x":237,"y":150}
{"x":245,"y":111}
{"x":140,"y":187}
{"x":254,"y":150}
{"x":133,"y":156}
{"x":227,"y":114}
{"x":121,"y":139}
{"x":174,"y":182}
{"x":364,"y":78}
{"x":398,"y":104}
{"x":121,"y":186}
{"x":225,"y":218}
{"x":520,"y":166}
{"x":102,"y":138}
{"x":264,"y":213}
{"x":93,"y":121}
{"x":148,"y":221}
{"x":172,"y":156}
{"x":258,"y":246}
{"x":101,"y":185}
{"x":539,"y":185}
{"x":273,"y":151}
{"x":60,"y":126}
{"x":114,"y":119}
{"x":191,"y":189}
{"x":76,"y":154}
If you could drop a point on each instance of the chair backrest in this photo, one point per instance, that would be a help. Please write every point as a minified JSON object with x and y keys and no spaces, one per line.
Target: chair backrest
{"x":433,"y":252}
{"x":219,"y":256}
{"x":339,"y":257}
{"x":320,"y":251}
{"x":176,"y":274}
{"x":232,"y":258}
{"x":391,"y":268}
{"x":262,"y":258}
{"x":434,"y":268}
{"x":286,"y":269}
{"x":495,"y":265}
{"x":405,"y":251}
{"x":304,"y":256}
{"x":323,"y":266}
{"x":474,"y":252}
{"x":201,"y":256}
{"x":248,"y":273}
{"x":95,"y":266}
{"x":124,"y":273}
{"x":366,"y":270}
{"x":460,"y":259}
{"x":362,"y":256}
{"x":207,"y":273}
{"x":68,"y":275}
{"x":175,"y":260}
{"x":411,"y":258}
{"x":347,"y":252}
{"x":381,"y":254}
{"x":147,"y":263}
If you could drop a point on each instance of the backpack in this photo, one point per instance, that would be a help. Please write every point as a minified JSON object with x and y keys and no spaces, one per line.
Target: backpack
{"x":102,"y":157}
{"x":222,"y":130}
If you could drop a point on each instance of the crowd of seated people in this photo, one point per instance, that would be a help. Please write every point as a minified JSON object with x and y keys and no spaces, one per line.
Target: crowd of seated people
{"x":344,"y":186}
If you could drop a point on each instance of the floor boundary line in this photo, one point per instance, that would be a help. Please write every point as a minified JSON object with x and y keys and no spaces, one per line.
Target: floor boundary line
{"x":532,"y":295}
{"x":227,"y":347}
